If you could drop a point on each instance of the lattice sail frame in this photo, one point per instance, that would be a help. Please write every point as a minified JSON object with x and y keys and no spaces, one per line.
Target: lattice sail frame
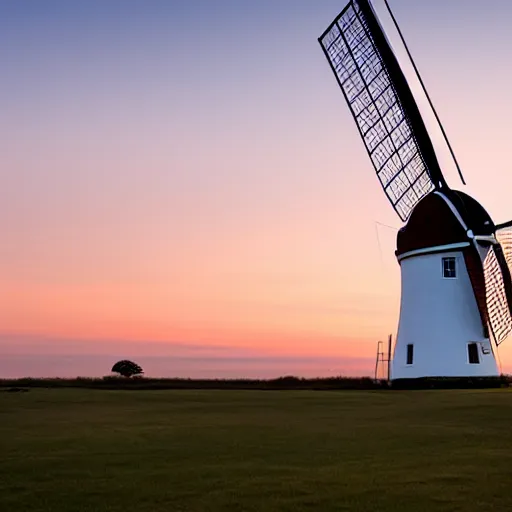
{"x":498,"y":283}
{"x":504,"y":237}
{"x":498,"y":306}
{"x":383,"y":123}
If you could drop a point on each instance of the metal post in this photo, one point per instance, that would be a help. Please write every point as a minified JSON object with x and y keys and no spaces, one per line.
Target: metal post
{"x":389,"y":356}
{"x":379,"y":352}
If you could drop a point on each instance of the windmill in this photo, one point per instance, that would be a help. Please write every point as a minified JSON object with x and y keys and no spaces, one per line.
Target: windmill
{"x":455,"y":262}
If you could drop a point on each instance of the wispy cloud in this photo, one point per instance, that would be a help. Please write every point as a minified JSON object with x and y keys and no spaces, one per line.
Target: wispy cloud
{"x":39,"y":344}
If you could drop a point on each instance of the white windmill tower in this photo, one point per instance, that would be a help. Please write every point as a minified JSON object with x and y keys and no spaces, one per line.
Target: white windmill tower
{"x":456,"y":293}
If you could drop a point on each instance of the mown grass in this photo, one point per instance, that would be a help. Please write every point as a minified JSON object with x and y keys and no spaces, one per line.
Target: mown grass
{"x":98,"y":450}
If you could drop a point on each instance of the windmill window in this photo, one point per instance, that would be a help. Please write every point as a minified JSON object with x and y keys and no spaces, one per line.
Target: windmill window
{"x":449,"y":268}
{"x":410,"y":354}
{"x":473,"y":353}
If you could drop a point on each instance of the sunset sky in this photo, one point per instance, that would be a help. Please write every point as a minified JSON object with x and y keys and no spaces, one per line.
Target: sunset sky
{"x":183,"y":183}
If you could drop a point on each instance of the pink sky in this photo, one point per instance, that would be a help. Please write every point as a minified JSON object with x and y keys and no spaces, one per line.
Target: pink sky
{"x":185,"y":183}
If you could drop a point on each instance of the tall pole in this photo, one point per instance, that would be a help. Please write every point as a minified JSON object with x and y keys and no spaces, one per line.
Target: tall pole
{"x":389,"y":356}
{"x":377,"y":360}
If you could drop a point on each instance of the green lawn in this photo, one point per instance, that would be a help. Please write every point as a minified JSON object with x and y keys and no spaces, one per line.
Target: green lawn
{"x":85,"y":450}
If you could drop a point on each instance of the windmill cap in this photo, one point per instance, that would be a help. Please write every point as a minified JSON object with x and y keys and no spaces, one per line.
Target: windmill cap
{"x":443,"y":219}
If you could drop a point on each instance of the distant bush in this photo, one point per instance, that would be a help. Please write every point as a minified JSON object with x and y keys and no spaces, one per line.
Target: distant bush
{"x":127,"y":368}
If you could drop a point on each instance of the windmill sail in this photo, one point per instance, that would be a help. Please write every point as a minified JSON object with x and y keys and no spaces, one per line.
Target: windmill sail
{"x":498,"y":289}
{"x":498,"y":272}
{"x":383,"y":106}
{"x":504,"y":236}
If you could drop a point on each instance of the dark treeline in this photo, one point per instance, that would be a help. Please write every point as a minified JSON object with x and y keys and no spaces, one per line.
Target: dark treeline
{"x":170,"y":383}
{"x":282,"y":383}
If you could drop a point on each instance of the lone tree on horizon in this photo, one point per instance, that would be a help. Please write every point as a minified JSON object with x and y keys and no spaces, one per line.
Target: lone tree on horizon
{"x":127,"y":368}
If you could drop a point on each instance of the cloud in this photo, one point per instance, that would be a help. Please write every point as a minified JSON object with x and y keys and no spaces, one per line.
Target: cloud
{"x":34,"y":344}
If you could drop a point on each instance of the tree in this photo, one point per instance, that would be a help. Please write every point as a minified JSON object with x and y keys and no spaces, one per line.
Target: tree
{"x":127,"y":368}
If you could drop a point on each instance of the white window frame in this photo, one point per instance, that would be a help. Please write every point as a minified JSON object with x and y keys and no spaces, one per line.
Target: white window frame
{"x":445,"y":259}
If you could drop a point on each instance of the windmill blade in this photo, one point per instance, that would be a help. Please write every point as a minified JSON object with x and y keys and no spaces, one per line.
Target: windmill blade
{"x":383,"y":106}
{"x":504,"y":237}
{"x":498,"y":289}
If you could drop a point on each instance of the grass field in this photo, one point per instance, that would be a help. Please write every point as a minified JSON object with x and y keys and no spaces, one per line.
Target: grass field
{"x":88,"y":450}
